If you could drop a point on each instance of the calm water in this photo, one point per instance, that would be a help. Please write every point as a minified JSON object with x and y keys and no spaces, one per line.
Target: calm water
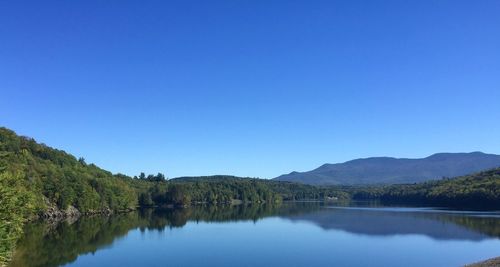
{"x":300,"y":234}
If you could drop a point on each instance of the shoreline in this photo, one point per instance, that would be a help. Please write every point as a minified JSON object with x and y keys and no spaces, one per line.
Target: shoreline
{"x":493,"y":262}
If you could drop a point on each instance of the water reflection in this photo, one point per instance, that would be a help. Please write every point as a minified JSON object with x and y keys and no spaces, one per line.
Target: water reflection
{"x":46,"y":244}
{"x":440,"y":225}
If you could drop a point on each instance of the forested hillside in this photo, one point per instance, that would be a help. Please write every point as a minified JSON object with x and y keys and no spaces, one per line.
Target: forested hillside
{"x":54,"y":177}
{"x":220,"y":189}
{"x":36,"y":179}
{"x":479,"y":191}
{"x":214,"y":190}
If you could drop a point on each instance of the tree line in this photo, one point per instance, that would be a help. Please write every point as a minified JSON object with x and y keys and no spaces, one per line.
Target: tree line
{"x":477,"y":191}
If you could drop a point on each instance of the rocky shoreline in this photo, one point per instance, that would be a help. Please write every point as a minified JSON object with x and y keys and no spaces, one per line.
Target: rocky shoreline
{"x":494,"y":262}
{"x":54,"y":213}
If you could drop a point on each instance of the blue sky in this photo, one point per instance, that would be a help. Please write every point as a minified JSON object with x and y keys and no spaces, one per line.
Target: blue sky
{"x":250,"y":88}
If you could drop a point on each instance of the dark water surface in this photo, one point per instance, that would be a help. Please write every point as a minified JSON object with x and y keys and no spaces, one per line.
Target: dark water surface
{"x":292,"y":234}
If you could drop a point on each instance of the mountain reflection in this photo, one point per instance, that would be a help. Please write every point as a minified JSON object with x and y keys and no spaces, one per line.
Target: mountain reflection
{"x":54,"y":244}
{"x":381,"y":222}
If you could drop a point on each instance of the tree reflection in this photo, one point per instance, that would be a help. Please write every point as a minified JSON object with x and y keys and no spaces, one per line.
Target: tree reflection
{"x":55,"y":244}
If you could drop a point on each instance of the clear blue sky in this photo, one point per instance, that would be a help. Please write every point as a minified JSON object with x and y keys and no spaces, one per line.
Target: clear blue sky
{"x":251,"y":88}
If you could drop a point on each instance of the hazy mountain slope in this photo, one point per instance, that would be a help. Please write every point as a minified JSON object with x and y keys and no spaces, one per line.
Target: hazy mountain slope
{"x":393,"y":170}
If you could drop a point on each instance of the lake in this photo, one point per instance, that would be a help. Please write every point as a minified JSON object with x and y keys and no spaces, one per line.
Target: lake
{"x":291,"y":234}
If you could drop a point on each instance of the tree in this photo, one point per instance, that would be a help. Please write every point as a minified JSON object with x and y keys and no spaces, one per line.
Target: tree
{"x":145,"y":200}
{"x":178,"y":196}
{"x":16,"y":206}
{"x":159,"y":177}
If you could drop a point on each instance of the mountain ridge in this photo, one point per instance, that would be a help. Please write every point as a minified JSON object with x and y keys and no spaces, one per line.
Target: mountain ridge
{"x":390,"y":170}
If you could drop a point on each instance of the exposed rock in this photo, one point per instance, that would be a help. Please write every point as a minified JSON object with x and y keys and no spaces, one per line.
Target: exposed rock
{"x":72,"y":212}
{"x":52,"y":211}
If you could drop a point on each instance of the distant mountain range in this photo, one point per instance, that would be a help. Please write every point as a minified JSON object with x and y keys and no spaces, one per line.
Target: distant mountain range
{"x":387,"y":170}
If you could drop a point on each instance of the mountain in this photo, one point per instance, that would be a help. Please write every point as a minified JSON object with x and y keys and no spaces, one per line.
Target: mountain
{"x":387,"y":170}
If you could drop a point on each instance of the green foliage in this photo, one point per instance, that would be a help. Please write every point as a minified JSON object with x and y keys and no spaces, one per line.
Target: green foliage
{"x":221,"y":189}
{"x":213,"y":190}
{"x":33,"y":175}
{"x":478,"y":191}
{"x":16,"y":204}
{"x":61,"y":179}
